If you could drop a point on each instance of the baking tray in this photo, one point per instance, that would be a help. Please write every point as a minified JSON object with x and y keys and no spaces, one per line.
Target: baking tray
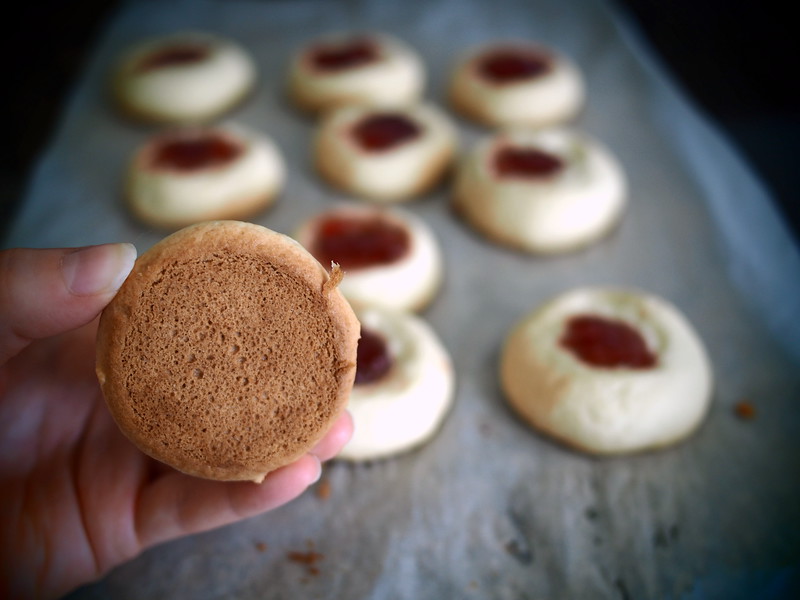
{"x":489,"y":508}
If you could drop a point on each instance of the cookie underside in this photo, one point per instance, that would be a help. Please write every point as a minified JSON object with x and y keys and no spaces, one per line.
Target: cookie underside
{"x":224,"y":358}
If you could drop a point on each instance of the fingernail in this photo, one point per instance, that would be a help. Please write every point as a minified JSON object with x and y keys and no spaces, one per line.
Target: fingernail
{"x":97,"y":269}
{"x":319,"y":470}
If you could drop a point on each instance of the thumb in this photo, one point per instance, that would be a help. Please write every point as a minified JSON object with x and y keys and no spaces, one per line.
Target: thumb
{"x":47,"y":292}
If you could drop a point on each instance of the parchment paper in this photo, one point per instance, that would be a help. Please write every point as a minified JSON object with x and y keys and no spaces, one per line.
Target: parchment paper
{"x":491,"y":509}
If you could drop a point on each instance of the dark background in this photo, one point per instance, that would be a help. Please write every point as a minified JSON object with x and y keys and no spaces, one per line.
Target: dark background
{"x":737,"y":59}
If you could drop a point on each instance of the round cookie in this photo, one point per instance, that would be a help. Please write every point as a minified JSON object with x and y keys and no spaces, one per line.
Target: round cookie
{"x":228,"y":352}
{"x":517,"y":83}
{"x":608,"y":371}
{"x":404,"y":385}
{"x":196,"y":174}
{"x":390,"y":257}
{"x":186,"y":77}
{"x":373,"y":69}
{"x":544,"y":191}
{"x":385,"y":155}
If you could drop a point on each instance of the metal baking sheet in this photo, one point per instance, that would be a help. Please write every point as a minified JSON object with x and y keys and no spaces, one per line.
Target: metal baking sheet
{"x":491,"y":509}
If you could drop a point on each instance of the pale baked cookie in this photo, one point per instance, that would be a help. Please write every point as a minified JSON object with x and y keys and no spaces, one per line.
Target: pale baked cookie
{"x":543,"y":191}
{"x":371,"y":68}
{"x":607,"y":371}
{"x":517,"y":83}
{"x":404,"y":385}
{"x":390,"y":257}
{"x":186,"y":77}
{"x":385,"y":155}
{"x":196,"y":174}
{"x":228,"y":352}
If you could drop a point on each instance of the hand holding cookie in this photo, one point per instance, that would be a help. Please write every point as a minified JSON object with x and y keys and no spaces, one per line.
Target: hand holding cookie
{"x":79,"y":498}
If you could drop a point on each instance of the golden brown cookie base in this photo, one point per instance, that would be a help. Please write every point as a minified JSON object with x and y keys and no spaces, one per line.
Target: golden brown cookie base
{"x":499,"y":238}
{"x":242,"y":209}
{"x":225,"y":354}
{"x":137,"y":114}
{"x":339,"y":171}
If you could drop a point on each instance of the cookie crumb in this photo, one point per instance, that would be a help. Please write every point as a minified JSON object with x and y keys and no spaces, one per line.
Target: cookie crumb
{"x":335,"y":278}
{"x":310,"y":558}
{"x":324,"y":489}
{"x":261,"y":546}
{"x":745,"y":410}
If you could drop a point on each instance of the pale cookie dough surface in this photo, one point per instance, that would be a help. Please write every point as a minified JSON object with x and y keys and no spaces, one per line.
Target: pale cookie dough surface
{"x":408,"y":283}
{"x":568,"y":209}
{"x":396,"y":174}
{"x":405,"y":408}
{"x":396,"y":77}
{"x":171,"y":198}
{"x":187,"y":91}
{"x":605,"y":410}
{"x":553,"y":97}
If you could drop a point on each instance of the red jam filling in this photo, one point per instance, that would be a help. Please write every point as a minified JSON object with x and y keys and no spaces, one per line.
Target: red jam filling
{"x":385,"y":131}
{"x":526,"y":162}
{"x":356,"y":243}
{"x":372,"y":358}
{"x":509,"y":65}
{"x":607,"y":343}
{"x":190,"y":154}
{"x":173,"y":56}
{"x":338,"y":57}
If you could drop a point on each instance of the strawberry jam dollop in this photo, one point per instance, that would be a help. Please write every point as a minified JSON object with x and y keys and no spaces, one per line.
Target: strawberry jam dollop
{"x":174,"y":56}
{"x":340,"y":56}
{"x":204,"y":151}
{"x":359,"y":242}
{"x":511,"y":65}
{"x":510,"y":161}
{"x":385,"y":131}
{"x":607,"y":343}
{"x":373,"y":360}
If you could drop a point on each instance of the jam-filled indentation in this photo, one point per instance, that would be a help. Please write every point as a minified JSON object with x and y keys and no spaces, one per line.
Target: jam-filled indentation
{"x":607,"y":343}
{"x":513,"y":161}
{"x":380,"y":132}
{"x":175,"y":55}
{"x":373,"y":360}
{"x":359,"y":242}
{"x":511,"y":65}
{"x":345,"y":55}
{"x":205,"y":151}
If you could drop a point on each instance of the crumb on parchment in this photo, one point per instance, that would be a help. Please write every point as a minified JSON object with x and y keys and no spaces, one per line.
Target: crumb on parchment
{"x":745,"y":410}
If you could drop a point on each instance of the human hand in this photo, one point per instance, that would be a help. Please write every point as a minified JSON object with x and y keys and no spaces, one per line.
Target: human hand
{"x":77,"y":497}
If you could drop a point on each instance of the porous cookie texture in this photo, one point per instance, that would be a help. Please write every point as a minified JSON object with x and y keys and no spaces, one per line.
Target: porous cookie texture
{"x":403,"y":272}
{"x":517,"y":83}
{"x":567,"y":379}
{"x":228,"y":352}
{"x":184,"y":77}
{"x":385,"y":155}
{"x":404,"y":408}
{"x":194,"y":173}
{"x":342,"y":68}
{"x":541,"y":191}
